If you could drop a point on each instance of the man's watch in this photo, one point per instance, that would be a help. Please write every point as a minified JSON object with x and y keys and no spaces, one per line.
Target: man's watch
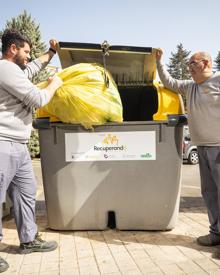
{"x":52,"y":50}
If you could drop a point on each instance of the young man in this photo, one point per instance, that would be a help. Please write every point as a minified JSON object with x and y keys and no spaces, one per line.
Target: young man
{"x":18,"y":96}
{"x":203,"y":106}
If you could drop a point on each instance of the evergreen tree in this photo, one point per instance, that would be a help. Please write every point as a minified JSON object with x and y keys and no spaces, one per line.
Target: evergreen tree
{"x":217,"y":62}
{"x":177,"y":66}
{"x":26,"y":25}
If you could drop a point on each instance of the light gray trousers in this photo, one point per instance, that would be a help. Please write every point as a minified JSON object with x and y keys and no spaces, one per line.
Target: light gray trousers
{"x":209,"y":164}
{"x":17,"y":178}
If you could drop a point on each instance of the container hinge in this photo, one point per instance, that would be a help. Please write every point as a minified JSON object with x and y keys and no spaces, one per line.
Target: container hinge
{"x":105,"y":52}
{"x":177,"y":120}
{"x":41,"y":123}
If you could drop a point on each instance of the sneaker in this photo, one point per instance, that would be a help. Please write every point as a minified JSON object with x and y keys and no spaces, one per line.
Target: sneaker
{"x":37,"y":245}
{"x":3,"y":265}
{"x":209,"y":240}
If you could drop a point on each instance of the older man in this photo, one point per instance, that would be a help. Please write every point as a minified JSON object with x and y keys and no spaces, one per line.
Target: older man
{"x":203,"y":106}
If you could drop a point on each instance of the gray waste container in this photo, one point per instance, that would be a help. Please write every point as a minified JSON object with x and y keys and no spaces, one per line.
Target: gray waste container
{"x":132,"y":182}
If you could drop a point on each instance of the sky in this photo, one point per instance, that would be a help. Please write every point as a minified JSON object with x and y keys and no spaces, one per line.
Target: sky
{"x":161,"y":23}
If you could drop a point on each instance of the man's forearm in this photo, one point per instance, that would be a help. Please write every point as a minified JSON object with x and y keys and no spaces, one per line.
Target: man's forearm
{"x":38,"y":64}
{"x":168,"y":81}
{"x":46,"y":57}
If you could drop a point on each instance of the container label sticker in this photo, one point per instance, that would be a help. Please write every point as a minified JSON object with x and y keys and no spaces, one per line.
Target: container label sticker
{"x":105,"y":146}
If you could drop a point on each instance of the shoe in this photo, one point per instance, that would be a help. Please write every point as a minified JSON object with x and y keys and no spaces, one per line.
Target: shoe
{"x":37,"y":245}
{"x":3,"y":265}
{"x":209,"y":240}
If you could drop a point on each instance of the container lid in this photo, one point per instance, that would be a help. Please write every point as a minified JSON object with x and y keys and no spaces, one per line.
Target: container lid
{"x":129,"y":65}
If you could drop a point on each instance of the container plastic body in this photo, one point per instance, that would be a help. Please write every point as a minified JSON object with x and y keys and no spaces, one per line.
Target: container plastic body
{"x":130,"y":194}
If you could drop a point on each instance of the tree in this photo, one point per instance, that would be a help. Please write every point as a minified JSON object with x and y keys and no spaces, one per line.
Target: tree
{"x":177,"y":66}
{"x":217,"y":62}
{"x":26,"y":25}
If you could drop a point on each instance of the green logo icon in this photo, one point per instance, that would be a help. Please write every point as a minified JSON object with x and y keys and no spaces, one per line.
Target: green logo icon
{"x":147,"y":155}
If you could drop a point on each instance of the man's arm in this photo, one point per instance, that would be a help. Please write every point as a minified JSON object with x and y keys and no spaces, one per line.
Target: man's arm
{"x":41,"y":62}
{"x":46,"y":57}
{"x":175,"y":85}
{"x":16,"y":83}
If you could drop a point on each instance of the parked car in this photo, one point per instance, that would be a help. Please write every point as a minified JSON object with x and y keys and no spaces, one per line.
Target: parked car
{"x":190,"y":153}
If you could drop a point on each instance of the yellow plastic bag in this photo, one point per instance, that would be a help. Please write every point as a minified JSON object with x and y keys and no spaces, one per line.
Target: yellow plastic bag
{"x":84,"y":97}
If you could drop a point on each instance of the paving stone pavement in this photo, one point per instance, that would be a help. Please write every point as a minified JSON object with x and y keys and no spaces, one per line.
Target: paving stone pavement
{"x":116,"y":252}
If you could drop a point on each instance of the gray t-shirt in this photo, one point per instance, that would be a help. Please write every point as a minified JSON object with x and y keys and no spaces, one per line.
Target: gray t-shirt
{"x":203,"y":105}
{"x":17,"y":98}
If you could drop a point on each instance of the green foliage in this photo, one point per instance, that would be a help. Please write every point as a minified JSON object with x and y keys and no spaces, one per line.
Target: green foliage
{"x":33,"y":144}
{"x":177,"y":66}
{"x":217,"y":62}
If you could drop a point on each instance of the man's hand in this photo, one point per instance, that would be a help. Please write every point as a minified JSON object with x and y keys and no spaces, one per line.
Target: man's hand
{"x":56,"y":81}
{"x":53,"y":44}
{"x":159,"y":54}
{"x":46,"y":57}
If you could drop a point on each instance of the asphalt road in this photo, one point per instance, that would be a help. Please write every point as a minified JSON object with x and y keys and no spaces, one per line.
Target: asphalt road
{"x":190,"y":183}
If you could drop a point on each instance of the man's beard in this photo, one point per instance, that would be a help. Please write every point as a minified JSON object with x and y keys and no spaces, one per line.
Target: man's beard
{"x":19,"y":61}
